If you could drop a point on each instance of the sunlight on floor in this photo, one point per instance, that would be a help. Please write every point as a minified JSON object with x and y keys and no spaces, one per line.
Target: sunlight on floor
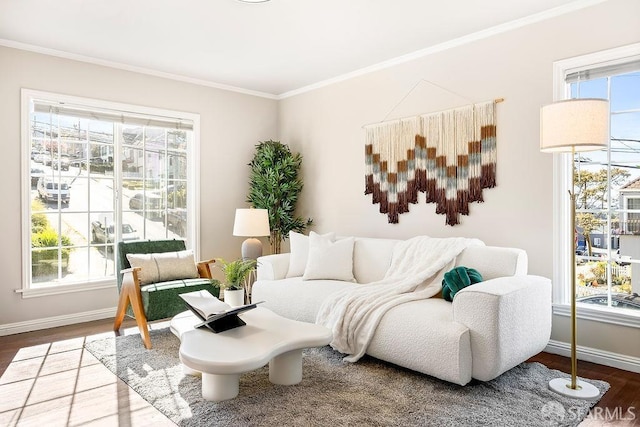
{"x":62,"y":384}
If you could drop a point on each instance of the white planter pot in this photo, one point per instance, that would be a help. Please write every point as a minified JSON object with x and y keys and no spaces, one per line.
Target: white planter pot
{"x":235,"y":298}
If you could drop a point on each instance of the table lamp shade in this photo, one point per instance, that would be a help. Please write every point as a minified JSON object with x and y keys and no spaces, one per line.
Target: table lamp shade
{"x":251,"y":223}
{"x":574,"y":125}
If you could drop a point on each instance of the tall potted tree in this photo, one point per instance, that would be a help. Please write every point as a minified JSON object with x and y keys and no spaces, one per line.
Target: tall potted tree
{"x":274,"y":185}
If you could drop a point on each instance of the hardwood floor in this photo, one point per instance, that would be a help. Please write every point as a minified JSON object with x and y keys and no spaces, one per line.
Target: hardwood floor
{"x":47,"y":378}
{"x":37,"y":387}
{"x":620,"y":406}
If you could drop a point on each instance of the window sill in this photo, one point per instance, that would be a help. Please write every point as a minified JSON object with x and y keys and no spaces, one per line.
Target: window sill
{"x":600,"y":314}
{"x":65,"y":289}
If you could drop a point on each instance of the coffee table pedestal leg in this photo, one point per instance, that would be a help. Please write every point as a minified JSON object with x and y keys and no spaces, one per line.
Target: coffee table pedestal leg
{"x":286,"y":368}
{"x":217,"y":388}
{"x":188,"y":371}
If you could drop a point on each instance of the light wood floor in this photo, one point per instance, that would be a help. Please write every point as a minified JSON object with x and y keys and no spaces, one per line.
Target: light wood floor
{"x":47,"y":379}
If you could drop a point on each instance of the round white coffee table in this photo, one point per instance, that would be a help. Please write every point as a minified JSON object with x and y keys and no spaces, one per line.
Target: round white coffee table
{"x":266,"y":338}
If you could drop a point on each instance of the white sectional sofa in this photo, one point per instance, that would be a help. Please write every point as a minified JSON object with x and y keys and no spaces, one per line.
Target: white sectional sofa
{"x":489,"y":327}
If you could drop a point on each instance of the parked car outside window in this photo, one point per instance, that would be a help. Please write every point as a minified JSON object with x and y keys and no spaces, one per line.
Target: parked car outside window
{"x":36,"y":174}
{"x":52,"y":191}
{"x":102,"y":234}
{"x":617,"y":300}
{"x":151,"y":202}
{"x":64,"y":163}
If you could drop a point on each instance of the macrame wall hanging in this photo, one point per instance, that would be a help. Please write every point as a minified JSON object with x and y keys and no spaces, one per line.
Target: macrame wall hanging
{"x":449,"y":155}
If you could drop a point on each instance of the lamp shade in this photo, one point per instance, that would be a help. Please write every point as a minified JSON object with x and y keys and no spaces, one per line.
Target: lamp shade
{"x":251,"y":223}
{"x":574,"y":124}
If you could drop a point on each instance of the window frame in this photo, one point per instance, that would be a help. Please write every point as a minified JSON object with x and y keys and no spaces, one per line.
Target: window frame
{"x":562,"y":168}
{"x":193,"y":179}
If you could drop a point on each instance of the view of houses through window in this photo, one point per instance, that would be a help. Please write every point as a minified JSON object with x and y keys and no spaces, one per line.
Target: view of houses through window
{"x":607,"y":187}
{"x":96,"y":178}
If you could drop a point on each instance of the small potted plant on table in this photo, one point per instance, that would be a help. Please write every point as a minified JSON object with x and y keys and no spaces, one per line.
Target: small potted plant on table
{"x":235,"y":275}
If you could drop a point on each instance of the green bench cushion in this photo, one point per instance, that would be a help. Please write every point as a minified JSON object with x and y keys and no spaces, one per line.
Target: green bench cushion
{"x":161,"y":300}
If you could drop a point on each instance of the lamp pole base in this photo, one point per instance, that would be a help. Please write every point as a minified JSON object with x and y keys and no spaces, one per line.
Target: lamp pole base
{"x":583,"y":390}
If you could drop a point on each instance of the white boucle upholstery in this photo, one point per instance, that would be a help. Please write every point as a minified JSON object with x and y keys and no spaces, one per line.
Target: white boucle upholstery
{"x":295,"y":298}
{"x":372,"y":258}
{"x":509,"y":319}
{"x":429,"y":343}
{"x":273,"y":267}
{"x":492,"y":261}
{"x":489,"y":328}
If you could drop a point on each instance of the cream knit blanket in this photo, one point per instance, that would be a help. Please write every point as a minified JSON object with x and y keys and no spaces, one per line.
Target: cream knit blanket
{"x":415,"y":273}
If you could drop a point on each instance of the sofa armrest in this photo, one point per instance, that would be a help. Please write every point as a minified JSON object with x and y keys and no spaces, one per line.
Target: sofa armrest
{"x":509,"y":319}
{"x":273,"y":267}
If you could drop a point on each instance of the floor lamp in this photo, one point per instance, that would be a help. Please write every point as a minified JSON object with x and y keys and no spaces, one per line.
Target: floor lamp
{"x":568,"y":127}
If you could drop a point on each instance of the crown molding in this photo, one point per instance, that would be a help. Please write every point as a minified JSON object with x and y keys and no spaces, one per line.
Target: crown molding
{"x":132,"y":68}
{"x":478,"y":35}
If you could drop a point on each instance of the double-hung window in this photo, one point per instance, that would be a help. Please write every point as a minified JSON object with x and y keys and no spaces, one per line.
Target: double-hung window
{"x":96,"y":173}
{"x":607,"y":188}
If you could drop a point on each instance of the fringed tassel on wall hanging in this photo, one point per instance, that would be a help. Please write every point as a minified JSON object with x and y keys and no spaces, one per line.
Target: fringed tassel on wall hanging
{"x":450,"y":156}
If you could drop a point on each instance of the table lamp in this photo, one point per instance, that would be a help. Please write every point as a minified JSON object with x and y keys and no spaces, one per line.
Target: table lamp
{"x":251,"y":223}
{"x":568,"y":127}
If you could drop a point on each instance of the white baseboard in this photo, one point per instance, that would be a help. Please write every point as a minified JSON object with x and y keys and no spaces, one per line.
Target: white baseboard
{"x":602,"y":357}
{"x":53,"y":322}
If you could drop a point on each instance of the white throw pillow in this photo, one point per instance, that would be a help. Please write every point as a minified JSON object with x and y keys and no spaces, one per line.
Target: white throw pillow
{"x":299,"y":252}
{"x":329,"y":260}
{"x":160,"y":267}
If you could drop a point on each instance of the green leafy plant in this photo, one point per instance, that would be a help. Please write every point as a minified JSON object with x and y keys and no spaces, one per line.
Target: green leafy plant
{"x":235,"y":272}
{"x":596,"y":275}
{"x":39,"y":220}
{"x":44,"y":241}
{"x":274,"y":185}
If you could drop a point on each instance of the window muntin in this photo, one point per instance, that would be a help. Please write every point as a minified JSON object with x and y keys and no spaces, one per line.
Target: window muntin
{"x":608,"y":197}
{"x":81,"y":180}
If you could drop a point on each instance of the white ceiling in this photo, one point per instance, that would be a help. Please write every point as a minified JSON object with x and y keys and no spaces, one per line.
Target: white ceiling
{"x":273,"y":48}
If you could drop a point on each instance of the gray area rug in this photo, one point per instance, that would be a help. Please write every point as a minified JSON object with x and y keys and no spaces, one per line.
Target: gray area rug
{"x":337,"y":393}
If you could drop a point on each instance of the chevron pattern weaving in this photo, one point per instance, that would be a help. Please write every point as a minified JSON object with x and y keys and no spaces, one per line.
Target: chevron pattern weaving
{"x":450,"y":156}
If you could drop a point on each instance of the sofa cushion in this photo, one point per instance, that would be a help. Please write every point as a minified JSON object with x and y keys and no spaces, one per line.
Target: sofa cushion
{"x":294,"y":298}
{"x":144,"y":247}
{"x":163,"y":266}
{"x":372,"y":258}
{"x":458,"y":279}
{"x":299,"y":249}
{"x":328,"y":259}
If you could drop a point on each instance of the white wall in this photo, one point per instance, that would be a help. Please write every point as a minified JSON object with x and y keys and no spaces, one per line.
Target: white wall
{"x":325,"y":126}
{"x":231,"y":124}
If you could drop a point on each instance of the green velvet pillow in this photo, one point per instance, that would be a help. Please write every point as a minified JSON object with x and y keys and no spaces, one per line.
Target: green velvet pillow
{"x":458,"y":278}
